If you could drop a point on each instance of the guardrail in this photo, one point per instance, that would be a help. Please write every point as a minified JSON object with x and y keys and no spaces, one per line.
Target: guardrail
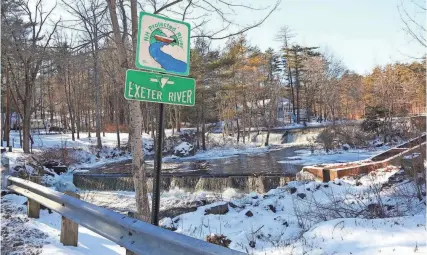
{"x":135,"y":235}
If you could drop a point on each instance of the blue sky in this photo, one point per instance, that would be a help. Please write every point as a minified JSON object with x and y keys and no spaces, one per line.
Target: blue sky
{"x":362,"y":33}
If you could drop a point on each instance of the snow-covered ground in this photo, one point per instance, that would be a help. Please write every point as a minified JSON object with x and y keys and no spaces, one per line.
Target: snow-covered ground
{"x":316,"y":218}
{"x":300,"y":218}
{"x":21,"y":235}
{"x":303,"y":217}
{"x":124,"y":201}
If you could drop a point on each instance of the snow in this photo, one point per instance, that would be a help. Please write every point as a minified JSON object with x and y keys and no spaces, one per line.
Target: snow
{"x":286,"y":220}
{"x":412,"y":156}
{"x":403,"y":235}
{"x":219,"y":152}
{"x":280,"y":232}
{"x":293,"y":219}
{"x":124,"y":201}
{"x":50,"y":224}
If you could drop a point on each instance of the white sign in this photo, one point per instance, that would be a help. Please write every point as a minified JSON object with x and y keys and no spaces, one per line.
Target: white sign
{"x":163,"y":45}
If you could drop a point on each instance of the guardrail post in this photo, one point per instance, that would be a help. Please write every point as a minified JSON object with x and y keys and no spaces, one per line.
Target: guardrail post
{"x":69,"y":229}
{"x":5,"y":171}
{"x":132,"y":215}
{"x":33,"y":208}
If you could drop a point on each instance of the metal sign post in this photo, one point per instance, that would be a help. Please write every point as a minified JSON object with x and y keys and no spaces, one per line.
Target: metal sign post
{"x":155,"y":199}
{"x":163,"y":47}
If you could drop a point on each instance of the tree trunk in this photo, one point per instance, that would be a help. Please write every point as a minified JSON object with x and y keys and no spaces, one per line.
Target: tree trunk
{"x":97,"y":91}
{"x":268,"y":137}
{"x":298,"y":90}
{"x":6,"y":134}
{"x":26,"y":122}
{"x":138,"y":166}
{"x":177,"y":119}
{"x":20,"y":131}
{"x":117,"y":122}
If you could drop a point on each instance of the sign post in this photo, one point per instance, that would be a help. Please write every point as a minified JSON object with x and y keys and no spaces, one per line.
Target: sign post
{"x":163,"y":47}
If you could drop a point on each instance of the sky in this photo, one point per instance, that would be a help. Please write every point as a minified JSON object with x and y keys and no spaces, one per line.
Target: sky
{"x":362,"y":33}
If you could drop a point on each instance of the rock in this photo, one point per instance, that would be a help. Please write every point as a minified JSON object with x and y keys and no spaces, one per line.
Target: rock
{"x":249,"y":214}
{"x":65,"y":186}
{"x":196,"y":203}
{"x":285,"y":224}
{"x":218,"y":209}
{"x":173,"y":212}
{"x":8,"y":192}
{"x":301,"y":195}
{"x":390,"y":207}
{"x":272,"y":208}
{"x":252,"y":244}
{"x":170,"y":228}
{"x":184,"y":149}
{"x":148,"y":148}
{"x":167,"y":223}
{"x":293,"y":190}
{"x":232,"y":205}
{"x":346,"y":147}
{"x":19,"y":243}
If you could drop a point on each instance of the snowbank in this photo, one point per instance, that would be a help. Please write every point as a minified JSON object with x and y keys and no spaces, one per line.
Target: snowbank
{"x":34,"y":236}
{"x":274,"y":222}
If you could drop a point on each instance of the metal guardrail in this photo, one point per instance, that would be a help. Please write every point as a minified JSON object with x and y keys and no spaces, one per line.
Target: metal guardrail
{"x":135,"y":235}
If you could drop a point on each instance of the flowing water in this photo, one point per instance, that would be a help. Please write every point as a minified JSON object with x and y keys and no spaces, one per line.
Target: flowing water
{"x":260,"y":163}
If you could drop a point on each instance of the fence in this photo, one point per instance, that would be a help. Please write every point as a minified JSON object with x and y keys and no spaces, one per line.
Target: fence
{"x":136,"y":236}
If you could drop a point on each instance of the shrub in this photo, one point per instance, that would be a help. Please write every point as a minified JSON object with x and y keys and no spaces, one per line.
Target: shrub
{"x":218,"y":240}
{"x":327,"y":139}
{"x":64,"y":155}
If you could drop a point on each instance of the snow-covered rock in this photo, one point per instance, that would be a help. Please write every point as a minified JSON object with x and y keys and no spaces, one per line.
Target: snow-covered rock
{"x":346,"y":147}
{"x":184,"y":149}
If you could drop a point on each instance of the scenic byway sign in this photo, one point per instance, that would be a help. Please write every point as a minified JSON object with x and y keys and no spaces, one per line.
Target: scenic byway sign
{"x":163,"y":45}
{"x":159,"y":88}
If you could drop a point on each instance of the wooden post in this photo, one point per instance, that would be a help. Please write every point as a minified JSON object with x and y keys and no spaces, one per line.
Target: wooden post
{"x":132,"y":215}
{"x":33,"y":208}
{"x":69,"y":229}
{"x":4,"y":172}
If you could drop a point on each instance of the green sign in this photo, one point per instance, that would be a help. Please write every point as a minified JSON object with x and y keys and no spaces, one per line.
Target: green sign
{"x":159,"y":88}
{"x":163,"y":45}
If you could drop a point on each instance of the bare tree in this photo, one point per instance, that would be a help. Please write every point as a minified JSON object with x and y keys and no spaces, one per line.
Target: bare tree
{"x":24,"y":48}
{"x":416,"y":29}
{"x":91,"y":17}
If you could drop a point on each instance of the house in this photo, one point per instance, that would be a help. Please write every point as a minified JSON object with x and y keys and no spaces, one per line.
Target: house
{"x":284,"y":113}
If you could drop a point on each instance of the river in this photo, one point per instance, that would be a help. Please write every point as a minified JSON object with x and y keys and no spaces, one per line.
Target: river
{"x":265,"y":162}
